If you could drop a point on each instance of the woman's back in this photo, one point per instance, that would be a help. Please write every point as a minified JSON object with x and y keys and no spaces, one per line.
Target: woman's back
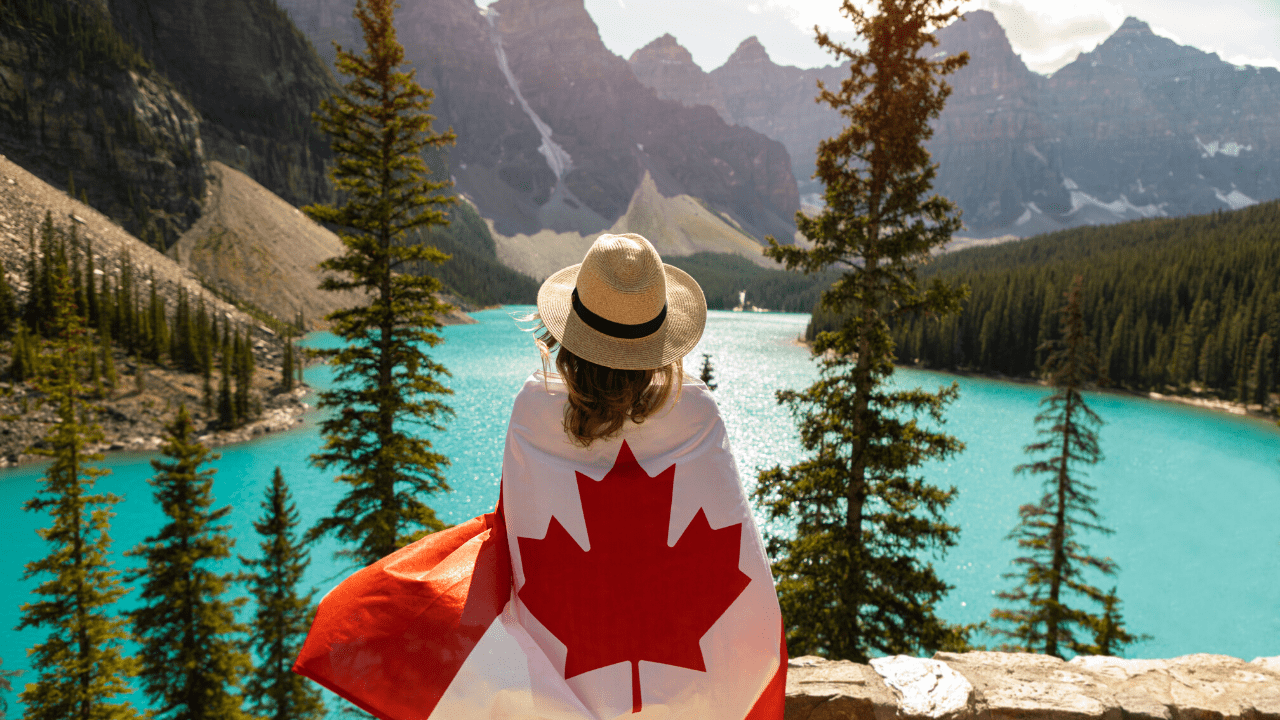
{"x":637,"y":567}
{"x":622,"y":572}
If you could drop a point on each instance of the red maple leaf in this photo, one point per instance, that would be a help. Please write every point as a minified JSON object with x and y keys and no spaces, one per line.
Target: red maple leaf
{"x":631,"y":597}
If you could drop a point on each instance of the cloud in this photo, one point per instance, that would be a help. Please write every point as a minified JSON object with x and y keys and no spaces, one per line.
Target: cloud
{"x":805,"y":14}
{"x":1265,"y":61}
{"x":1037,"y":31}
{"x":1049,"y":35}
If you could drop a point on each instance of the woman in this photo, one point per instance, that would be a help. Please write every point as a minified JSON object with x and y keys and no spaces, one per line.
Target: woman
{"x":626,"y":575}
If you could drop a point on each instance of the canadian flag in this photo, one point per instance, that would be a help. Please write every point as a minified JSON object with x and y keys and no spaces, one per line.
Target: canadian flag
{"x":623,"y":579}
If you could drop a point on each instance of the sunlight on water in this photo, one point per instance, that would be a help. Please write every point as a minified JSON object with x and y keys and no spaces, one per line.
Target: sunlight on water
{"x":1191,"y":494}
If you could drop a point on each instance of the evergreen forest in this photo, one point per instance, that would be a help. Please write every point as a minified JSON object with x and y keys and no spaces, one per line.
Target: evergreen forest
{"x":473,"y":273}
{"x":124,"y":312}
{"x":723,"y":276}
{"x":1183,"y":305}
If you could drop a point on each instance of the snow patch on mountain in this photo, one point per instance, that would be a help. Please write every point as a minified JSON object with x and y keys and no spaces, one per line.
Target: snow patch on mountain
{"x":1235,"y":199}
{"x":557,"y":157}
{"x":1229,"y":148}
{"x":1122,"y":208}
{"x":1030,"y":212}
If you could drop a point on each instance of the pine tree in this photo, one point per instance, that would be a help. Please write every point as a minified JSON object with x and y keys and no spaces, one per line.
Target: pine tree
{"x":283,"y":616}
{"x":1260,"y":380}
{"x":8,"y":305}
{"x":158,"y":341}
{"x":6,"y":686}
{"x":186,"y":339}
{"x":707,"y":375}
{"x":42,"y":261}
{"x":77,"y":279}
{"x":139,"y":375}
{"x":107,"y":311}
{"x":237,"y":384}
{"x":226,"y":400}
{"x":286,"y":365}
{"x":21,"y":364}
{"x":31,"y":309}
{"x":387,"y":387}
{"x":850,"y":577}
{"x":90,"y":289}
{"x":192,"y":665}
{"x":206,"y":338}
{"x":91,"y":354}
{"x":81,"y":665}
{"x":128,"y":330}
{"x":244,"y":367}
{"x":1109,"y":634}
{"x":108,"y":363}
{"x":1043,"y":615}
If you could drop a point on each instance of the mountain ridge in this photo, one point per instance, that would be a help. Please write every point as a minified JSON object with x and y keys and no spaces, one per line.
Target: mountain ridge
{"x":1138,"y":127}
{"x":601,"y":130}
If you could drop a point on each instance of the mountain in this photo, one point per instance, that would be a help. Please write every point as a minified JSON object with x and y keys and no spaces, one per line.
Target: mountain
{"x":81,"y":107}
{"x":749,"y":90}
{"x":252,"y":245}
{"x":989,"y":140}
{"x":1139,"y":127}
{"x":1172,"y":127}
{"x":24,"y":200}
{"x":253,"y":77}
{"x":133,"y":416}
{"x":779,"y":102}
{"x":668,"y":68}
{"x":677,"y":225}
{"x":126,"y":101}
{"x":555,"y":133}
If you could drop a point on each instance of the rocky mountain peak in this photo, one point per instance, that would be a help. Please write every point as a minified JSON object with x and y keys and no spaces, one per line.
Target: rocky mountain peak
{"x":1133,"y":26}
{"x":608,"y":129}
{"x":563,"y":31}
{"x":749,"y":52}
{"x":994,"y":69}
{"x":1138,"y":50}
{"x":979,"y":34}
{"x":668,"y":68}
{"x":665,"y":50}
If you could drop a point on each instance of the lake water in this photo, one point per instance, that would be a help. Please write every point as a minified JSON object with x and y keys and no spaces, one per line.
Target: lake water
{"x":1193,"y":495}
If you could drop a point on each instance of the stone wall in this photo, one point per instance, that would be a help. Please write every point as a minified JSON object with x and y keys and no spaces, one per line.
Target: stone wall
{"x":1005,"y":686}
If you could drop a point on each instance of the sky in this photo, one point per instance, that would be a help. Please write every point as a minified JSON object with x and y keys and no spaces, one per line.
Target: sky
{"x":1048,"y":34}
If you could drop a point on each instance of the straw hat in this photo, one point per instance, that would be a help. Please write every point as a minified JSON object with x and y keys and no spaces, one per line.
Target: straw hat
{"x":622,"y":307}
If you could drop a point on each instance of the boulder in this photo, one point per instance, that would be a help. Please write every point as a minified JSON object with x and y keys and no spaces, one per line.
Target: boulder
{"x":1019,"y":685}
{"x":1023,"y":686}
{"x":926,"y":688}
{"x":819,"y":689}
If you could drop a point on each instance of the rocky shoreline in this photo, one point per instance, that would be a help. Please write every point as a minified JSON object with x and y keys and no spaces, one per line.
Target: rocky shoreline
{"x":138,"y":433}
{"x":133,"y":419}
{"x":1208,"y":403}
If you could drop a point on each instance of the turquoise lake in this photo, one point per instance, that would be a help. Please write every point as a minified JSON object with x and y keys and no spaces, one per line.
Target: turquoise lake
{"x":1193,"y":495}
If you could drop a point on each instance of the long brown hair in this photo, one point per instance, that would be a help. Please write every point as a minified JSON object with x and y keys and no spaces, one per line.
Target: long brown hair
{"x":602,"y":399}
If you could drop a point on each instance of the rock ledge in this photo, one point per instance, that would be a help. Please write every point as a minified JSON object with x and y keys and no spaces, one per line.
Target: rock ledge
{"x":1019,"y":686}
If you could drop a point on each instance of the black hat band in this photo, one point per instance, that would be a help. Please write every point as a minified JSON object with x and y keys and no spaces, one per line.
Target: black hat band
{"x":617,"y":329}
